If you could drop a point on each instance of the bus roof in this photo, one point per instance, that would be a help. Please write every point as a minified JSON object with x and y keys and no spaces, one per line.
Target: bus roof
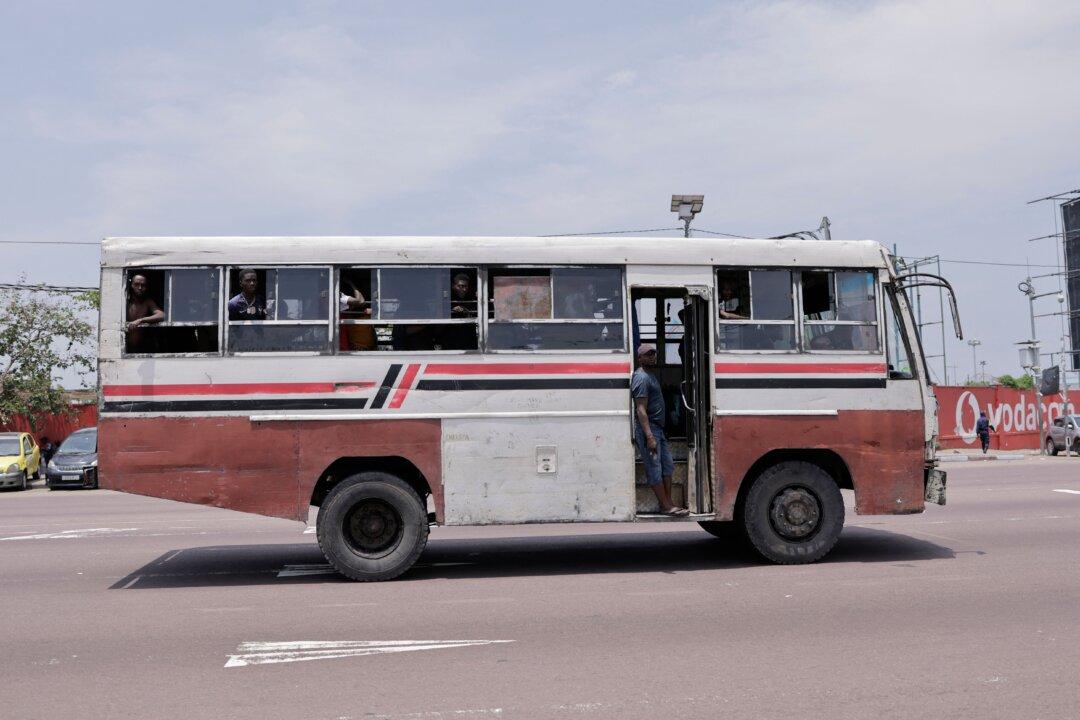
{"x":450,"y":250}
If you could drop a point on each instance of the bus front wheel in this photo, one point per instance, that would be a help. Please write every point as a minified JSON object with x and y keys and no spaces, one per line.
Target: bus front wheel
{"x":372,"y":526}
{"x":793,"y":513}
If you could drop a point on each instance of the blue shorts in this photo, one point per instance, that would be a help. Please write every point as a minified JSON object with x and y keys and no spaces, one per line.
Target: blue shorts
{"x":659,"y":465}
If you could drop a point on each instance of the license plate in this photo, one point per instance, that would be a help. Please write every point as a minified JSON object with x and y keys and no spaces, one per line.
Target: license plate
{"x":70,"y":477}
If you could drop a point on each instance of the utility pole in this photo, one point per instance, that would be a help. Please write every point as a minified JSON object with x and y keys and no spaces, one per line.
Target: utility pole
{"x":1033,"y":359}
{"x":974,"y":359}
{"x":982,"y":373}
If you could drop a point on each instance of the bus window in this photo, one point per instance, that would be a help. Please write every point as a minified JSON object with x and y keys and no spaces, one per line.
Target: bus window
{"x":188,"y":302}
{"x":408,"y":309}
{"x":755,"y":310}
{"x":840,"y":311}
{"x":897,"y":350}
{"x":279,"y":309}
{"x":555,"y":309}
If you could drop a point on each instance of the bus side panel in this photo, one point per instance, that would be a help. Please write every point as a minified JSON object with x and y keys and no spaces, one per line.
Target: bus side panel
{"x":320,"y":443}
{"x":883,"y":450}
{"x":522,"y":470}
{"x":226,"y":462}
{"x":267,"y":468}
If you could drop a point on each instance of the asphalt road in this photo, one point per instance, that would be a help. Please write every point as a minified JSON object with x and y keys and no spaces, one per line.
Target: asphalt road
{"x":119,"y":606}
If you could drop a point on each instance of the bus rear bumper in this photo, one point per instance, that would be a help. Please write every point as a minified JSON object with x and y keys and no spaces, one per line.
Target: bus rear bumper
{"x":934,"y":486}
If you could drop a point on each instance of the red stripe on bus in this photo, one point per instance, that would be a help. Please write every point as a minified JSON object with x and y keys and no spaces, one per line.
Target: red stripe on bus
{"x":236,"y":388}
{"x":525,"y":368}
{"x":403,"y":387}
{"x":800,"y":368}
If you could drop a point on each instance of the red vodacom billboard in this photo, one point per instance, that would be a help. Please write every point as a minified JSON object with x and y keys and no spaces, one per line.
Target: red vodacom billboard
{"x":1012,"y":412}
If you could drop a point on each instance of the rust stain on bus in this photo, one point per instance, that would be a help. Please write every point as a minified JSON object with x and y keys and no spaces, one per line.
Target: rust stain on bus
{"x":263,"y":468}
{"x":881,"y":449}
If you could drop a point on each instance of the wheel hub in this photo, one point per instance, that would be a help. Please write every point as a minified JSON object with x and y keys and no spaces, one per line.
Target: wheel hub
{"x":373,"y":527}
{"x":795,"y":513}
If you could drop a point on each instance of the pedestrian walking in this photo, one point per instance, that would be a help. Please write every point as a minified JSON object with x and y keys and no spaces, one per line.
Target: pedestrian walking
{"x":982,"y":429}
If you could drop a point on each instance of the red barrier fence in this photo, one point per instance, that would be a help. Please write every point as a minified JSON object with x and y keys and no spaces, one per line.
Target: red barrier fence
{"x":1011,"y":412}
{"x":56,"y":427}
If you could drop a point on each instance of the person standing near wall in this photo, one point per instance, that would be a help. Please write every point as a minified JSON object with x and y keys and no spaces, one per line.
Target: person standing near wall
{"x":982,"y":429}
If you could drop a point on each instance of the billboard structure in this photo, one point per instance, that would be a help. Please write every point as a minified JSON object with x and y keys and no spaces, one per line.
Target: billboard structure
{"x":1070,"y":217}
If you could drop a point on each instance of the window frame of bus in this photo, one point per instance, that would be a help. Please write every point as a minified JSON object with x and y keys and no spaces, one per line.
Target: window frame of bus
{"x":327,"y":349}
{"x":795,"y":310}
{"x":375,"y":298}
{"x":624,"y":320}
{"x":803,"y":342}
{"x":167,"y":309}
{"x":913,"y":360}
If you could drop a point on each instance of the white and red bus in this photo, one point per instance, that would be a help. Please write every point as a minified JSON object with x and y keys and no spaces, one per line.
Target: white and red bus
{"x":398,"y":382}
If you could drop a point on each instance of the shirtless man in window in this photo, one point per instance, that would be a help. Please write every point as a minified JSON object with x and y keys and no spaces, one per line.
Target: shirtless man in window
{"x":141,"y":311}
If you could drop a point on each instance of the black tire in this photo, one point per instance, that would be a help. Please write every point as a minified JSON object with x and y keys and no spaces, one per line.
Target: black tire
{"x":25,"y":481}
{"x":725,"y":530}
{"x":372,"y":526}
{"x":1051,"y":447}
{"x":793,"y":513}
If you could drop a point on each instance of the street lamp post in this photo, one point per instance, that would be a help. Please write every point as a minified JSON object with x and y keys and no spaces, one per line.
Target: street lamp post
{"x":1032,"y":346}
{"x":687,"y":206}
{"x":974,"y":359}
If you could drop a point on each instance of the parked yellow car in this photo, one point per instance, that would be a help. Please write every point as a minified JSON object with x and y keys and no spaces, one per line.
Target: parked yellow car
{"x":20,"y":459}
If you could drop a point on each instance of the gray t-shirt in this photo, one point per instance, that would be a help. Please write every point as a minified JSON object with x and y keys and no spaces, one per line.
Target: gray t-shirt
{"x":644,"y":385}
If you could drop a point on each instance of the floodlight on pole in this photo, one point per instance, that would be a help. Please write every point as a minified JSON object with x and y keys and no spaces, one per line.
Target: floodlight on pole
{"x":974,"y":359}
{"x":687,"y":206}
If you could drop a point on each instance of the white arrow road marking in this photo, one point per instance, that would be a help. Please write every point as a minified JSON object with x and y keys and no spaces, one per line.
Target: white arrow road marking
{"x":1071,"y":492}
{"x":263,"y":653}
{"x":70,"y":534}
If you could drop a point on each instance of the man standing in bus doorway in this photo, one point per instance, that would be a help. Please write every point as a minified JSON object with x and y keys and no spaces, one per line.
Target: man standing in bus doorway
{"x":649,"y":409}
{"x":982,"y":429}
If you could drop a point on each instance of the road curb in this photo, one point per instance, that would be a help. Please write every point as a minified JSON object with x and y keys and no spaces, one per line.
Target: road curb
{"x":979,"y":458}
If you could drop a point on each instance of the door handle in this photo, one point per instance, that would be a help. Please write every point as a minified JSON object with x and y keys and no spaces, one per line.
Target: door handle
{"x":682,"y":396}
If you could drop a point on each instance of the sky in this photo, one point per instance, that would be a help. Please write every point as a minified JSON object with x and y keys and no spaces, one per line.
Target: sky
{"x":927,"y":125}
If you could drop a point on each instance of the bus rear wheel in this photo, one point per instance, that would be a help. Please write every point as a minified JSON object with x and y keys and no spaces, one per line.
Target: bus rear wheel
{"x":372,"y":526}
{"x":793,"y":513}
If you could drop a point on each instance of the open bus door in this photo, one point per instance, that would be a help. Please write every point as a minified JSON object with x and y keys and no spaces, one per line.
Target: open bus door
{"x":696,"y":396}
{"x":676,"y":320}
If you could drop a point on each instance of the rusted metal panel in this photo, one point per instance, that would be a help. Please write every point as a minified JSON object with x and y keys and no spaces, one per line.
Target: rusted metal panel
{"x":882,"y":449}
{"x":263,"y":468}
{"x":321,"y":443}
{"x":221,"y":461}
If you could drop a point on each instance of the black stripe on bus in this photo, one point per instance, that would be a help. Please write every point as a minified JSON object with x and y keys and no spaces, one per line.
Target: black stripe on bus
{"x":767,"y":383}
{"x":386,"y":387}
{"x":526,"y":384}
{"x":134,"y":406}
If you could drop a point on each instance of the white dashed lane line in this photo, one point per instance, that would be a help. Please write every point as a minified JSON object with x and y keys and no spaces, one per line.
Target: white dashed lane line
{"x":70,"y":534}
{"x":1070,"y":492}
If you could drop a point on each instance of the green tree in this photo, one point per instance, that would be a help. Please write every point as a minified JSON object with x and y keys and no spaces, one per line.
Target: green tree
{"x":43,"y":335}
{"x":1023,"y":382}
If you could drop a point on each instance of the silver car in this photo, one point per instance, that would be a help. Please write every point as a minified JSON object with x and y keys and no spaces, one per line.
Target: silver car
{"x":1063,"y":430}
